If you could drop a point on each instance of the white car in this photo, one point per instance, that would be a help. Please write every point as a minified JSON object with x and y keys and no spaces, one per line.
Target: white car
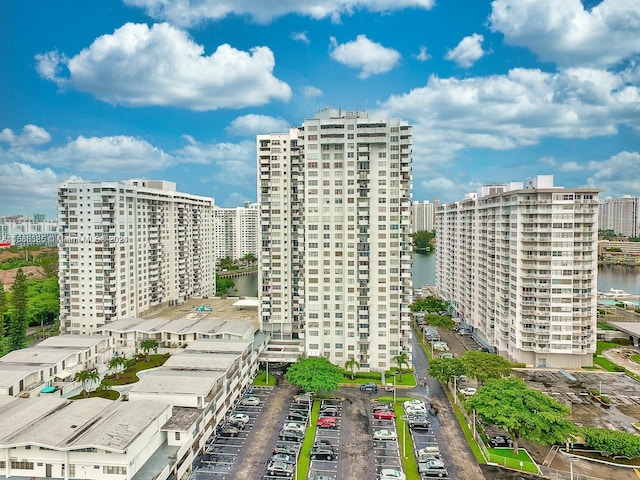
{"x":392,"y":474}
{"x":384,"y":435}
{"x":411,"y":409}
{"x":300,"y":427}
{"x":416,"y":402}
{"x":467,"y":392}
{"x":250,"y":401}
{"x":239,"y":418}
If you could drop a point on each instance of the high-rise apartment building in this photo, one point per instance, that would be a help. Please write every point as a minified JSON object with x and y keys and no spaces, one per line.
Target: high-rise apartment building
{"x":620,"y":215}
{"x":422,"y":216}
{"x":235,"y":231}
{"x":519,"y":264}
{"x":335,"y":261}
{"x":130,"y":247}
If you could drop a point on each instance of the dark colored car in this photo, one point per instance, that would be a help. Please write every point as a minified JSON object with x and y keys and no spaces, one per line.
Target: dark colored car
{"x":418,"y":421}
{"x":323,"y":442}
{"x":286,"y":449}
{"x":228,"y":431}
{"x":297,"y":416}
{"x":322,"y":453}
{"x":369,"y":387}
{"x":329,"y":412}
{"x":500,"y":441}
{"x":291,"y":435}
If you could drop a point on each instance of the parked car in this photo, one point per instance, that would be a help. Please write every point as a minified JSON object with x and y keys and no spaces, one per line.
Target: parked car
{"x":228,"y":430}
{"x":414,"y":403}
{"x":433,"y":450}
{"x":283,"y":457}
{"x":384,"y":434}
{"x":416,"y":410}
{"x":500,"y":441}
{"x":417,"y":421}
{"x":369,"y":387}
{"x":321,"y":477}
{"x":238,"y":419}
{"x":433,"y":468}
{"x":392,"y":474}
{"x":427,"y":457}
{"x":327,"y":422}
{"x":381,"y":406}
{"x":329,"y":412}
{"x":322,"y":442}
{"x":301,"y":427}
{"x":322,"y":453}
{"x":306,"y":397}
{"x":468,"y":391}
{"x":250,"y":401}
{"x":297,"y":416}
{"x":384,"y":415}
{"x":291,"y":435}
{"x":281,"y":469}
{"x":286,"y":449}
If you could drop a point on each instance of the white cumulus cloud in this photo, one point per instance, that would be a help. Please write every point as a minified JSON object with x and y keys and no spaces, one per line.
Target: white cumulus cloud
{"x":565,"y":33}
{"x":369,"y":57}
{"x":28,"y":187}
{"x":31,"y":135}
{"x":310,"y":91}
{"x":301,"y":37}
{"x":423,"y":55}
{"x":189,"y":12}
{"x":618,"y":174}
{"x":252,"y":125}
{"x":162,"y":66}
{"x":467,"y":51}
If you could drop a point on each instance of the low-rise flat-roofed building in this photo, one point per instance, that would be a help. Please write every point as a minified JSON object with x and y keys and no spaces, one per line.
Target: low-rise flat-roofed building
{"x":50,"y":437}
{"x":52,"y":362}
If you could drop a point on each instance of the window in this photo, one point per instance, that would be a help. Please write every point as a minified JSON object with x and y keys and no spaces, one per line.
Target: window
{"x":177,"y":435}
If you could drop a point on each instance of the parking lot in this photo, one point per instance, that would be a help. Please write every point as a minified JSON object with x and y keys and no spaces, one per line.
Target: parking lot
{"x":327,"y":439}
{"x":225,"y":448}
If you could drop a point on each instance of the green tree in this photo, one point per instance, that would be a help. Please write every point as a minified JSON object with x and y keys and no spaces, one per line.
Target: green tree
{"x":422,"y":240}
{"x":227,"y":263}
{"x":612,"y":442}
{"x":522,"y":411}
{"x":86,"y":377}
{"x":18,"y":320}
{"x":401,"y":360}
{"x":117,"y":364}
{"x":316,"y":374}
{"x":483,"y":366}
{"x":4,"y":306}
{"x":249,"y":259}
{"x":352,"y":365}
{"x":429,"y":304}
{"x":147,"y":345}
{"x":444,"y":369}
{"x":223,"y":285}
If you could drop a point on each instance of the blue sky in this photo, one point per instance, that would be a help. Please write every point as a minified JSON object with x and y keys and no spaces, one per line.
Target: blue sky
{"x":497,"y":91}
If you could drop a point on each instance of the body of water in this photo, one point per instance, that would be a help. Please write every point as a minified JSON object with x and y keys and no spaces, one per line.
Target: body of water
{"x":424,"y":273}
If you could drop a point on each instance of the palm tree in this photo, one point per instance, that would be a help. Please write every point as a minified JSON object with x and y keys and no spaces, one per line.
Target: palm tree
{"x":86,"y":377}
{"x":147,"y":345}
{"x":400,"y":361}
{"x":352,"y":364}
{"x":116,"y":364}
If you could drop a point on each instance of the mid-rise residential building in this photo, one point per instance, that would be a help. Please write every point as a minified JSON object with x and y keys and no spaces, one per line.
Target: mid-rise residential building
{"x":235,"y":231}
{"x":19,"y":231}
{"x":128,"y":248}
{"x":422,"y":216}
{"x":335,"y":260}
{"x":518,"y":262}
{"x":620,"y":215}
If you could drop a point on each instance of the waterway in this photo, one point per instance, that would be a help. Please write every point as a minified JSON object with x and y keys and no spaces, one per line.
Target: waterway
{"x":424,"y":273}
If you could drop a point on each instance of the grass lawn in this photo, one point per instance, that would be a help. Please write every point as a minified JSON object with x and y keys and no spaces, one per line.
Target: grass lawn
{"x":108,"y":394}
{"x":405,"y":442}
{"x":600,"y":346}
{"x":607,"y":364}
{"x":636,"y":358}
{"x":304,"y":458}
{"x":506,"y":457}
{"x":262,"y":381}
{"x":605,"y":326}
{"x":129,"y":374}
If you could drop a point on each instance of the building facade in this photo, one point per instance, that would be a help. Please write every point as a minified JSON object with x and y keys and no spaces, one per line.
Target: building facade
{"x":518,"y":262}
{"x":127,"y":248}
{"x":20,"y":231}
{"x":620,"y":215}
{"x":235,"y":231}
{"x":422,"y":216}
{"x":335,"y":218}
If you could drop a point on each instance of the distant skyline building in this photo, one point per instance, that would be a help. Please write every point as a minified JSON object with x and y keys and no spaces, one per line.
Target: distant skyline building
{"x":335,"y":260}
{"x":620,"y":215}
{"x":422,"y":216}
{"x":130,"y":247}
{"x":235,"y":231}
{"x":20,"y":231}
{"x":518,"y":262}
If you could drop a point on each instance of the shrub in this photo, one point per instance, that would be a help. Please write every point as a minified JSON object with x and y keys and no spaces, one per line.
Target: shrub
{"x":621,"y":341}
{"x":518,"y":365}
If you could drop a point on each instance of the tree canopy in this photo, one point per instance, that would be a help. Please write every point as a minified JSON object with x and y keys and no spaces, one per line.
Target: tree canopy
{"x":422,"y":240}
{"x":612,"y":442}
{"x":442,"y":321}
{"x":352,"y":365}
{"x":223,"y":286}
{"x":522,"y":411}
{"x":400,"y":360}
{"x":18,"y":320}
{"x":147,"y":345}
{"x":429,"y":304}
{"x":444,"y":369}
{"x":315,"y":374}
{"x":483,"y":366}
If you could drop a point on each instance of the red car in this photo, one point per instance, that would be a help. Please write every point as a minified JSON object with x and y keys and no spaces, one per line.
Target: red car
{"x":384,"y":415}
{"x":327,"y":422}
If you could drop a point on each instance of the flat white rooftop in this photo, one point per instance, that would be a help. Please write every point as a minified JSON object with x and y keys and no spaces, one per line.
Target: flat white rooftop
{"x":188,"y":324}
{"x":177,"y":382}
